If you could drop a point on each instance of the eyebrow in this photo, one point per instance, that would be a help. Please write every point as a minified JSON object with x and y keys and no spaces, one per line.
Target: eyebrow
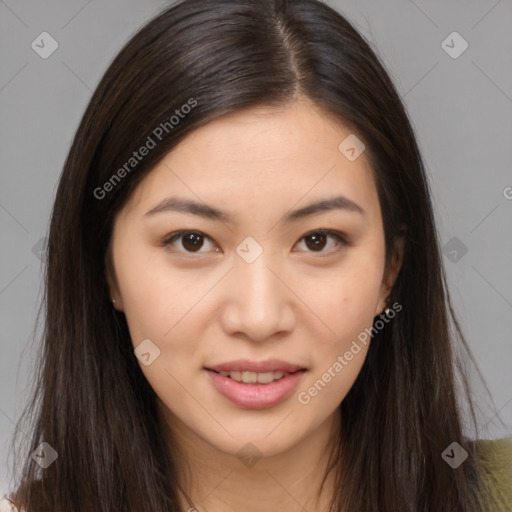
{"x":209,"y":212}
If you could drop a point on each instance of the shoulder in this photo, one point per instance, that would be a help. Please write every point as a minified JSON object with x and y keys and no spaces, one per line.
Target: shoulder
{"x":34,"y":488}
{"x":495,"y":459}
{"x":7,"y":505}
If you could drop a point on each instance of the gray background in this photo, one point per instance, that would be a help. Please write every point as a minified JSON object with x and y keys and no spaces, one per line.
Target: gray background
{"x":461,"y":109}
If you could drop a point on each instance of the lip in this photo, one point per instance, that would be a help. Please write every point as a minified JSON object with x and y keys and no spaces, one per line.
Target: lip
{"x":245,"y":365}
{"x":255,"y":396}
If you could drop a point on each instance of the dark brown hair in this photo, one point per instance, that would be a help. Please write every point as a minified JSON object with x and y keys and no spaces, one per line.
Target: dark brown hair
{"x":91,"y":401}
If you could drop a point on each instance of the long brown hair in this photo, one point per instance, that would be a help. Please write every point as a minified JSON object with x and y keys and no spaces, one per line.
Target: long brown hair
{"x":92,"y":403}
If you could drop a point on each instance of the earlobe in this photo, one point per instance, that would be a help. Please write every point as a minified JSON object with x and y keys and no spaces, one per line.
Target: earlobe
{"x":392,"y":272}
{"x":397,"y":259}
{"x":115,"y":296}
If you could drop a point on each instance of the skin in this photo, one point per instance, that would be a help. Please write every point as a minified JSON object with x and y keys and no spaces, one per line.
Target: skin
{"x":293,"y":302}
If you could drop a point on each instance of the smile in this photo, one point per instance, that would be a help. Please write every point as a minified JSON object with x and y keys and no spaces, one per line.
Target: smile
{"x":253,"y":377}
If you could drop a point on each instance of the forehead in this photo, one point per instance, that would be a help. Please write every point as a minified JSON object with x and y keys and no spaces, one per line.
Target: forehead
{"x":261,"y":158}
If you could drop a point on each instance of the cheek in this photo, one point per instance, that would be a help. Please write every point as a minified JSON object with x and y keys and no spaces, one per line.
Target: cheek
{"x":338,"y":359}
{"x":159,"y":305}
{"x":346,"y":305}
{"x":155,"y":296}
{"x":344,"y":298}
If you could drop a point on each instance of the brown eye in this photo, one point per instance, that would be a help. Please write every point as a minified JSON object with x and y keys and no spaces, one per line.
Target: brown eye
{"x":316,"y":241}
{"x":191,"y":241}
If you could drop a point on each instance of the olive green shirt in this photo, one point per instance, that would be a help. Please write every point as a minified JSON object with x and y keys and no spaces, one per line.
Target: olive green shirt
{"x":496,"y":461}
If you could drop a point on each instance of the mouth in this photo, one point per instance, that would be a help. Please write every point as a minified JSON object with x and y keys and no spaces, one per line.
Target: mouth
{"x":256,"y":385}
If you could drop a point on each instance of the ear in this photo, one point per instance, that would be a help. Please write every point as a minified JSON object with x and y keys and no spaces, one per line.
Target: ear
{"x":110,"y":276}
{"x":391,"y":273}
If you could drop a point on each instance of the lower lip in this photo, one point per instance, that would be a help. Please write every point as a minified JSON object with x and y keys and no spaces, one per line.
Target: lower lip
{"x":255,"y":396}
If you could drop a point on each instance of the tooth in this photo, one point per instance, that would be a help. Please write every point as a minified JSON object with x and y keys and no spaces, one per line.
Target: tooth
{"x":265,"y":378}
{"x":236,"y":376}
{"x":249,"y":377}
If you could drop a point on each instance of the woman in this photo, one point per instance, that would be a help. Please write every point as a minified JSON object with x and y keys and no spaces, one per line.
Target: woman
{"x":245,"y":304}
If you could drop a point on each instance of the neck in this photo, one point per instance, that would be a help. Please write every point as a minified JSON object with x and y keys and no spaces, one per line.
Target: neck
{"x":222,"y":482}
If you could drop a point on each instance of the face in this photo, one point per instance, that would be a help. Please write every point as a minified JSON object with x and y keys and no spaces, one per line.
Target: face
{"x":253,"y":283}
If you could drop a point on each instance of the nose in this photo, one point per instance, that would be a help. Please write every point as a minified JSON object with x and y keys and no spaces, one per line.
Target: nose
{"x":260,"y":303}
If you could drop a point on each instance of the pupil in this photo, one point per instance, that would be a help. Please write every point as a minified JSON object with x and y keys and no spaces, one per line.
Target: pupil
{"x":318,"y":241}
{"x":193,"y":239}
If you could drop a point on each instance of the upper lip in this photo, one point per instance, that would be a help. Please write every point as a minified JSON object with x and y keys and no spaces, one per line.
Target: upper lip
{"x":270,"y":365}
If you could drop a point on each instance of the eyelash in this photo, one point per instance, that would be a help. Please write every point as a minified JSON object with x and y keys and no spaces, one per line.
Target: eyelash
{"x":338,"y":236}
